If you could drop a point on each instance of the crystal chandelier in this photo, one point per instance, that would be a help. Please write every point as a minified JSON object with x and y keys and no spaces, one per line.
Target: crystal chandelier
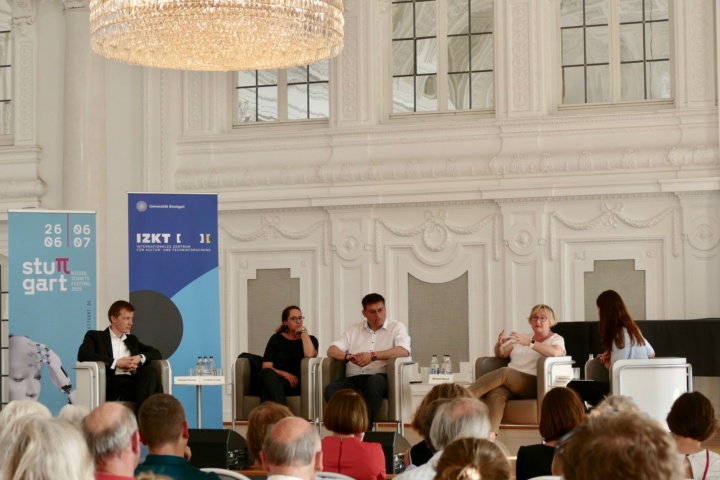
{"x":223,"y":35}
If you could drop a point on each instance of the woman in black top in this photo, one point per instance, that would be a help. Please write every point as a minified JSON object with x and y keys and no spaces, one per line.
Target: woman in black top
{"x":285,"y":350}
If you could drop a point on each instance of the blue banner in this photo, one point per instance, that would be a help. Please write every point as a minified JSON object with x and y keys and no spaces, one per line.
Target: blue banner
{"x":174,"y":286}
{"x":52,"y":275}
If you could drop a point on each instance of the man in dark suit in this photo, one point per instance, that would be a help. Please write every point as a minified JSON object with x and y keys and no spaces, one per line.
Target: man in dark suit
{"x":126,"y":359}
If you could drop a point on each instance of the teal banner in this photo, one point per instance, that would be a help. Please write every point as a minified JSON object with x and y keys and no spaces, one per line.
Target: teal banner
{"x":52,"y":301}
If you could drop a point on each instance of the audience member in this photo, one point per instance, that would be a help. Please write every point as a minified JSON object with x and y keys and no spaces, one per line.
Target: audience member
{"x":44,"y":449}
{"x":692,"y":420}
{"x":456,"y":418}
{"x":420,"y":453}
{"x":561,"y":411}
{"x":260,"y":420}
{"x":345,"y":416}
{"x":619,"y":446}
{"x":22,"y":408}
{"x":366,"y":371}
{"x":473,"y":459}
{"x":292,"y":450}
{"x":74,"y":414}
{"x":164,"y":429}
{"x":111,"y":432}
{"x":615,"y":404}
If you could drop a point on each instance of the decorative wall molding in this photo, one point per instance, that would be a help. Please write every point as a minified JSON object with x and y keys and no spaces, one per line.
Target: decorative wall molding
{"x":349,"y":64}
{"x":194,"y":93}
{"x":25,"y":92}
{"x":271,"y":229}
{"x":610,"y":218}
{"x":520,"y":56}
{"x":23,"y":16}
{"x":436,"y":225}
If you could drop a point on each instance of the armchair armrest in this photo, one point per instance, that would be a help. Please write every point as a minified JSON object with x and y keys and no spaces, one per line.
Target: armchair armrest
{"x":308,"y":387}
{"x":240,"y":374}
{"x":548,"y":368}
{"x":164,"y":374}
{"x":90,"y":383}
{"x":398,"y":374}
{"x":485,"y":365}
{"x":594,"y":370}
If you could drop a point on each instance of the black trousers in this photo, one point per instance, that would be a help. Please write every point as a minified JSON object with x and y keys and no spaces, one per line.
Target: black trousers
{"x":137,"y":387}
{"x":590,"y":392}
{"x":275,"y":388}
{"x":373,"y":388}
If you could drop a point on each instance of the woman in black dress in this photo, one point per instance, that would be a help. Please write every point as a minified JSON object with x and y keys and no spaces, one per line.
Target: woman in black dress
{"x":285,"y":350}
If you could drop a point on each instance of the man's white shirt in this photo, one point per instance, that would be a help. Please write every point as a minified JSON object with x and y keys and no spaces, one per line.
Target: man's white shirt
{"x":361,"y":338}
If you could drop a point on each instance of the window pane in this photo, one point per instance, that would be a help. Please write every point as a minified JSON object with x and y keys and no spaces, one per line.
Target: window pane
{"x":246,"y":78}
{"x":631,"y":11}
{"x":267,"y":77}
{"x":631,"y":42}
{"x":573,"y":85}
{"x":320,"y":72}
{"x":657,"y":41}
{"x":267,"y":104}
{"x":319,"y":100}
{"x":482,"y":52}
{"x":458,"y":54}
{"x":656,"y":10}
{"x":632,"y":82}
{"x":481,"y":20}
{"x":598,"y":84}
{"x":483,"y":90}
{"x":596,"y":12}
{"x":402,"y":19}
{"x":404,"y":94}
{"x":459,"y":91}
{"x":598,"y":45}
{"x":426,"y":56}
{"x":658,"y":80}
{"x":458,"y":17}
{"x":426,"y":93}
{"x":571,"y":13}
{"x":425,"y":19}
{"x":247,"y":107}
{"x":297,"y":75}
{"x":403,"y":58}
{"x":297,"y":102}
{"x":573,"y":47}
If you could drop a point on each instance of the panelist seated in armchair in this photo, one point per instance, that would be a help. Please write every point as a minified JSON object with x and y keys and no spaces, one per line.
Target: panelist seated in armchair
{"x":126,"y":359}
{"x":367,"y":346}
{"x":519,"y":378}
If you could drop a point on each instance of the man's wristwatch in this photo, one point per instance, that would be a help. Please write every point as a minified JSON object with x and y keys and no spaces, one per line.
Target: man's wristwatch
{"x":373,"y":357}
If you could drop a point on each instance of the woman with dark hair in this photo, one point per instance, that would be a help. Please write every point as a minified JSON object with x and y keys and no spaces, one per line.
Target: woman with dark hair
{"x":284,"y":352}
{"x":344,"y":451}
{"x":473,"y":459}
{"x":691,"y":421}
{"x":619,"y":333}
{"x":561,"y":411}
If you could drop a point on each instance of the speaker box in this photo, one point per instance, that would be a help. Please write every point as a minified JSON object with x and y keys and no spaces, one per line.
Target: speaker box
{"x":394,"y":447}
{"x":218,"y":448}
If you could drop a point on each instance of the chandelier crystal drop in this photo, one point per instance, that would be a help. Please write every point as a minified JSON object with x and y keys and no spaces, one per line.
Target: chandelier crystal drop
{"x":219,"y":35}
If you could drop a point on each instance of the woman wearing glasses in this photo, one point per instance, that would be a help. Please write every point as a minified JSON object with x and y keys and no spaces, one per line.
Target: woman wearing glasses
{"x":284,"y":352}
{"x":519,"y":378}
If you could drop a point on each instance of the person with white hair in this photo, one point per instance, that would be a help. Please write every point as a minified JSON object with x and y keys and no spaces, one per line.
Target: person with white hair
{"x":456,"y":418}
{"x":292,"y":449}
{"x":112,"y":435}
{"x":44,"y":449}
{"x":74,"y":414}
{"x":22,"y":408}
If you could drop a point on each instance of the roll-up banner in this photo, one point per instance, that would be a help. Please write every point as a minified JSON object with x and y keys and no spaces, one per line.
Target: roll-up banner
{"x":174,"y":287}
{"x":52,"y":301}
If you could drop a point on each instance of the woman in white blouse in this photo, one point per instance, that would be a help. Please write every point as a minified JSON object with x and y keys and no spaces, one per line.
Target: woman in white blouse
{"x":519,"y":378}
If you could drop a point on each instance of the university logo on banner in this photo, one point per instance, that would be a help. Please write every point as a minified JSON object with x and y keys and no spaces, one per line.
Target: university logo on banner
{"x":174,"y":286}
{"x":52,"y":301}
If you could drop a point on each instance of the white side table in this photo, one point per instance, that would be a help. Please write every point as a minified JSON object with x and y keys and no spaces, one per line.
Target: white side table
{"x":199,"y":382}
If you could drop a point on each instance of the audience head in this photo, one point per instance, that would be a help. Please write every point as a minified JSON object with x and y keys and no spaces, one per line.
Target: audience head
{"x":119,"y":306}
{"x":614,"y":316}
{"x":372,"y":299}
{"x":261,"y":419}
{"x":162,"y":421}
{"x":74,"y":414}
{"x":473,"y":459}
{"x":692,"y":416}
{"x":285,"y":316}
{"x":111,"y":432}
{"x":549,"y":313}
{"x":459,"y":418}
{"x":615,"y":404}
{"x":22,"y":408}
{"x":45,"y":449}
{"x":346,"y":413}
{"x":292,"y":447}
{"x":443,"y":390}
{"x":561,"y":411}
{"x":620,"y":445}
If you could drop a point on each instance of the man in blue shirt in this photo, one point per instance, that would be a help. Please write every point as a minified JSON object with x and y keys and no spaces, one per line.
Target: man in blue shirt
{"x":164,"y":429}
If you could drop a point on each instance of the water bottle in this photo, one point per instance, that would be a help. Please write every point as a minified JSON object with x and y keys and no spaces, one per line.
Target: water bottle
{"x":434,"y":365}
{"x":204,"y":368}
{"x":211,"y":366}
{"x":591,"y":356}
{"x":447,"y":365}
{"x":198,"y":366}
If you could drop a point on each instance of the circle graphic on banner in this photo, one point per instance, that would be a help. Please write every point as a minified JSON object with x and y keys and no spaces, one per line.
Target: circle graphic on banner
{"x":141,"y":206}
{"x":157,"y":321}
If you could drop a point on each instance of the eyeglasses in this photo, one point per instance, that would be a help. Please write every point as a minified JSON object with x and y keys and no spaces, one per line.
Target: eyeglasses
{"x":535,"y":318}
{"x":295,"y":319}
